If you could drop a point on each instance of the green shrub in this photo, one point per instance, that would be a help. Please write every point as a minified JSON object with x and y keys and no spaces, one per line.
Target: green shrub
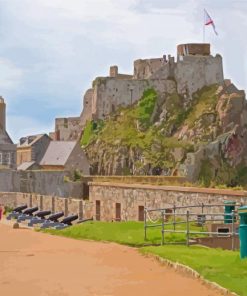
{"x":145,"y":107}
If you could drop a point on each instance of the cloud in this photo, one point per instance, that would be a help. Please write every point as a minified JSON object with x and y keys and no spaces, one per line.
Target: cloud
{"x":51,"y":50}
{"x":10,"y":75}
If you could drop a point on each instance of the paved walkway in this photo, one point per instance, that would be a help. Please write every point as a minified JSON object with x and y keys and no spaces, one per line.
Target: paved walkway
{"x":38,"y":264}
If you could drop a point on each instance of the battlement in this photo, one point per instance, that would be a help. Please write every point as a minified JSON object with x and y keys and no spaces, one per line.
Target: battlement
{"x":115,"y":74}
{"x":143,"y":69}
{"x":113,"y":71}
{"x":193,"y":49}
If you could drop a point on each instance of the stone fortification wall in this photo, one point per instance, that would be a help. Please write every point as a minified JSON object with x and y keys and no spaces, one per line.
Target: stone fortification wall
{"x":194,"y":72}
{"x":110,"y":93}
{"x":53,"y":203}
{"x":68,"y":129}
{"x":132,"y":198}
{"x":87,"y":107}
{"x":189,"y":73}
{"x":41,"y":182}
{"x":143,"y":69}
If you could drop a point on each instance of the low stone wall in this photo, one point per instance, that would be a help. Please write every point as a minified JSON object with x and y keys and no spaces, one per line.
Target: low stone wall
{"x":42,"y":182}
{"x":45,"y":202}
{"x":132,"y":198}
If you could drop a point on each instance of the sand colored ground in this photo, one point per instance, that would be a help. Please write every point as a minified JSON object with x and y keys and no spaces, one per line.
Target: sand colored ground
{"x":38,"y":264}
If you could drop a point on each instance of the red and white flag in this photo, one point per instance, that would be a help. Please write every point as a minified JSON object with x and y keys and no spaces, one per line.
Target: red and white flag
{"x":208,"y":21}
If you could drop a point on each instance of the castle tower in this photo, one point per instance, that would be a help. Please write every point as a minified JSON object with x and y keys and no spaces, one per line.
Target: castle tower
{"x":113,"y":71}
{"x":2,"y":114}
{"x":193,"y":49}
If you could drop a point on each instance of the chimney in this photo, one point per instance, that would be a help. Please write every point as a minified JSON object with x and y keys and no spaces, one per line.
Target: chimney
{"x":2,"y":114}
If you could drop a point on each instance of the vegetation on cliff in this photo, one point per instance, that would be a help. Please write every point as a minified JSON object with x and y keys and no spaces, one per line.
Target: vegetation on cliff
{"x":132,"y":130}
{"x":173,"y":134}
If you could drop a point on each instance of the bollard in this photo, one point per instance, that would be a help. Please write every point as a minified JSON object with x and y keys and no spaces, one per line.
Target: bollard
{"x":242,"y":211}
{"x":229,"y":207}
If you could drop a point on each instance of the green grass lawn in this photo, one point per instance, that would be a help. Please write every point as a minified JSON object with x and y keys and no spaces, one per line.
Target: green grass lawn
{"x":220,"y":266}
{"x":128,"y":233}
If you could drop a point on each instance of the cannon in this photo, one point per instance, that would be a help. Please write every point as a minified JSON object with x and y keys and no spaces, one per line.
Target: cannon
{"x":69,"y":219}
{"x":52,"y":220}
{"x":16,"y":212}
{"x":27,"y":214}
{"x":84,"y":220}
{"x":39,"y":218}
{"x":66,"y":222}
{"x":42,"y":214}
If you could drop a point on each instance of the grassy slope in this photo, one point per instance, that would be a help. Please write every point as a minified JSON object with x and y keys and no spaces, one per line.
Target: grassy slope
{"x":220,"y":266}
{"x":128,"y":233}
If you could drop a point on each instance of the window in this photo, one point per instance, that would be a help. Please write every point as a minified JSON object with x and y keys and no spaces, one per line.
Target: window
{"x":8,"y":158}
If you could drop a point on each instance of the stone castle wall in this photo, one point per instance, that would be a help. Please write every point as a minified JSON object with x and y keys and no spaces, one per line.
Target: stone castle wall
{"x":41,"y":182}
{"x":190,"y":73}
{"x":68,"y":129}
{"x":133,"y":197}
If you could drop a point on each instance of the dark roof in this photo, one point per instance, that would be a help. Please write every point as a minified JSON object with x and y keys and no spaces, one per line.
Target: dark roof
{"x":25,"y":166}
{"x":30,"y":140}
{"x":58,"y":153}
{"x":4,"y":137}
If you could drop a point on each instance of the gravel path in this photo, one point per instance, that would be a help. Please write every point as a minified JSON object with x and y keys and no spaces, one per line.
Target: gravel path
{"x":38,"y":264}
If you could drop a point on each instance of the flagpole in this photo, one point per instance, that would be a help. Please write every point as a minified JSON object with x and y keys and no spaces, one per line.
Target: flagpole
{"x":204,"y":26}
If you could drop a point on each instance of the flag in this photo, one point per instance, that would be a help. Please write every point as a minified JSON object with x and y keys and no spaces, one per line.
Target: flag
{"x":208,"y":21}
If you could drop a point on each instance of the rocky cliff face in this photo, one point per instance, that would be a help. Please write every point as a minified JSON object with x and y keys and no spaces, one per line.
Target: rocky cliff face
{"x":203,"y":138}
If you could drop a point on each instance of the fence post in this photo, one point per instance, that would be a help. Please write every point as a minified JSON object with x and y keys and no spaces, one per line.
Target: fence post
{"x":187,"y":228}
{"x":233,"y":230}
{"x":163,"y":227}
{"x":145,"y":224}
{"x":202,"y":207}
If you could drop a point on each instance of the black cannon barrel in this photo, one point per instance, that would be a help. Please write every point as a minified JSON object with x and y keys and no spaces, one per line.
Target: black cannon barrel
{"x":56,"y":216}
{"x":19,"y":209}
{"x":42,"y":214}
{"x":69,"y":219}
{"x":84,"y":220}
{"x":30,"y":211}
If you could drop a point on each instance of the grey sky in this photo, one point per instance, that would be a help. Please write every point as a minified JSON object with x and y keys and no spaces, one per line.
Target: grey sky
{"x":51,"y":50}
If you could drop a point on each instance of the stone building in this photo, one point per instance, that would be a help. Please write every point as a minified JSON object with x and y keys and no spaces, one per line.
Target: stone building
{"x":65,"y":155}
{"x":31,"y":150}
{"x":7,"y":148}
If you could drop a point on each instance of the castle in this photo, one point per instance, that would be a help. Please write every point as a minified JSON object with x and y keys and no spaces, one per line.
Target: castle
{"x":193,"y":69}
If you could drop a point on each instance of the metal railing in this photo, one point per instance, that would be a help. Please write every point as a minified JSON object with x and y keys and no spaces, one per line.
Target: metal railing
{"x":186,"y":217}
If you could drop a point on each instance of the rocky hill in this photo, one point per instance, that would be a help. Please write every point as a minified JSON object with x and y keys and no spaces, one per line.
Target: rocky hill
{"x":204,"y":138}
{"x":170,"y":117}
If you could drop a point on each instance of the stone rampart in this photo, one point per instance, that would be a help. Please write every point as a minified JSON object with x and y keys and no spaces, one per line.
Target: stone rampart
{"x":41,"y":182}
{"x":134,"y":197}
